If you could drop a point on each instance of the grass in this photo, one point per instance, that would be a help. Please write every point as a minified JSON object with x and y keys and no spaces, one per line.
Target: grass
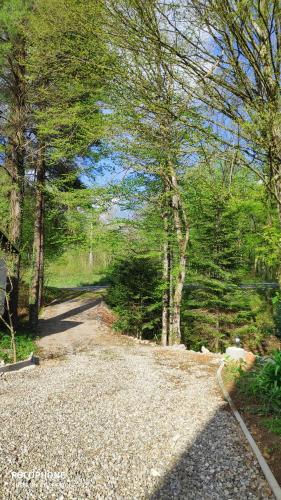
{"x":25,"y":345}
{"x":260,"y":388}
{"x":73,"y":269}
{"x":263,"y":382}
{"x":273,"y":424}
{"x":60,"y":280}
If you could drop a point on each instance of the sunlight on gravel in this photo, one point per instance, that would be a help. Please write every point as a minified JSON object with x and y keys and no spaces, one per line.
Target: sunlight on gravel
{"x":122,"y":421}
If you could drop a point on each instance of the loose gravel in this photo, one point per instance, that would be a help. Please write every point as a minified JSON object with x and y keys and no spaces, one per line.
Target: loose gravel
{"x":120,"y":420}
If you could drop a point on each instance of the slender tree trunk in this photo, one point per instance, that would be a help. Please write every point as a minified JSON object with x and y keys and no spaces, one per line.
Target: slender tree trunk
{"x":91,"y":254}
{"x":41,"y":267}
{"x":182,"y":231}
{"x":175,"y":334}
{"x":166,"y":282}
{"x":36,"y":287}
{"x":171,"y":294}
{"x":15,"y":166}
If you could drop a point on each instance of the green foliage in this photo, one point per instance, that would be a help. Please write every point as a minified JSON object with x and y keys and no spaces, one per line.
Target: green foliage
{"x":25,"y":345}
{"x":273,"y":424}
{"x":135,"y":296}
{"x":4,"y":201}
{"x":227,"y":227}
{"x":265,"y":382}
{"x":68,"y":67}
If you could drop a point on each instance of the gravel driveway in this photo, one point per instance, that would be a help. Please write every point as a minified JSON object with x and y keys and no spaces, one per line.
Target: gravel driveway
{"x":115,"y":419}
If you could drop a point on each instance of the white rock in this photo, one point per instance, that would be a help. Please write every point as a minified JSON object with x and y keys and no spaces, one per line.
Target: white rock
{"x":155,"y":473}
{"x":177,"y":347}
{"x":204,"y":350}
{"x":236,"y":353}
{"x":176,"y":437}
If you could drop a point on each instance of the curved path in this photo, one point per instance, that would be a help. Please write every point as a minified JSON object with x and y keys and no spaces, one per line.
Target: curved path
{"x":106,"y":417}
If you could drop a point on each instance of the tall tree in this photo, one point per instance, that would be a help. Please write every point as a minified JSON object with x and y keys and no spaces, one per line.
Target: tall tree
{"x":229,"y":53}
{"x":150,"y":105}
{"x":68,"y":61}
{"x":14,"y":120}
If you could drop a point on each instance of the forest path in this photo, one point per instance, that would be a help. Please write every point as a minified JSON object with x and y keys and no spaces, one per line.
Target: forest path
{"x":75,"y":325}
{"x":111,"y":418}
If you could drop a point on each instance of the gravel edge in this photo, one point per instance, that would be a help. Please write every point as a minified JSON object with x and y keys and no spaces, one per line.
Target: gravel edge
{"x":276,"y":489}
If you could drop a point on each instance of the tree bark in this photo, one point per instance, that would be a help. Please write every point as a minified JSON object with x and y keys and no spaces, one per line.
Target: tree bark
{"x":175,"y":334}
{"x":166,"y":265}
{"x":182,"y":232}
{"x":41,"y":271}
{"x":15,"y":154}
{"x":36,"y":287}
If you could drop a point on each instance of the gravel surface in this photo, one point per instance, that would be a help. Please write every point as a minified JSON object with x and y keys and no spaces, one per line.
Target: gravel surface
{"x":120,"y":420}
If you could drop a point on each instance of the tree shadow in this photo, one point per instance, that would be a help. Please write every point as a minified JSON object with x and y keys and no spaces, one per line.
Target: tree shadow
{"x":218,"y":465}
{"x":60,"y":295}
{"x":57,"y":324}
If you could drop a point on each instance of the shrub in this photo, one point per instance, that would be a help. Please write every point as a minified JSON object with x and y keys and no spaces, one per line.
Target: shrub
{"x":214,"y":316}
{"x":265,"y":382}
{"x":135,"y":295}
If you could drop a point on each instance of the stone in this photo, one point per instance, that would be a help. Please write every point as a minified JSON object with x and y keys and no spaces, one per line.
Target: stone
{"x":250,"y":359}
{"x":155,"y":473}
{"x":236,"y":353}
{"x":177,"y":347}
{"x":204,"y":350}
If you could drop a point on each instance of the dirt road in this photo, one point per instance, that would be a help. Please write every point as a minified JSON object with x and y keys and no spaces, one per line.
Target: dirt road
{"x":105,"y":417}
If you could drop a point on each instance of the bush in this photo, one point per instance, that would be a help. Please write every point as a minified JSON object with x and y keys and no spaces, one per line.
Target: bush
{"x":135,"y":295}
{"x":265,"y":382}
{"x":214,"y":316}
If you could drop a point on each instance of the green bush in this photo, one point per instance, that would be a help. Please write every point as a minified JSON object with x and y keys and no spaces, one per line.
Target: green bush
{"x":135,"y":295}
{"x":265,"y":382}
{"x":214,"y":316}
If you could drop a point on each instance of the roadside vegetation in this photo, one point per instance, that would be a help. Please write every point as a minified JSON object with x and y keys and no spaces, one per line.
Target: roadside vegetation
{"x":256,"y":392}
{"x":25,"y":345}
{"x":144,"y":166}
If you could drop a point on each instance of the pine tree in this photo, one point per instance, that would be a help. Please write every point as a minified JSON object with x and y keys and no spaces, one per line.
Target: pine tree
{"x":224,"y":220}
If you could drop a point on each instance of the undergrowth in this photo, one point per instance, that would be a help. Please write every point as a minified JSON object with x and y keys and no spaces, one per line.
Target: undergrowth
{"x":262,"y":386}
{"x":25,"y":345}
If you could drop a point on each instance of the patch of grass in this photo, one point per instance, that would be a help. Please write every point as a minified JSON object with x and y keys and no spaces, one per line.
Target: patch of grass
{"x":273,"y":424}
{"x":25,"y":345}
{"x":260,"y":389}
{"x":73,"y":269}
{"x":233,"y":370}
{"x":76,"y":279}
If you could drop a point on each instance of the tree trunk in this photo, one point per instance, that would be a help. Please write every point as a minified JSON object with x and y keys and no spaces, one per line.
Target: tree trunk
{"x":91,"y":254}
{"x":182,"y":232}
{"x":166,"y":282}
{"x":15,"y":167}
{"x":175,"y":333}
{"x":15,"y":155}
{"x":41,"y":271}
{"x":36,"y":287}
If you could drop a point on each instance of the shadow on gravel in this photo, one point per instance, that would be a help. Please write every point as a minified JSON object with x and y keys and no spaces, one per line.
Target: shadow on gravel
{"x":57,"y":324}
{"x":213,"y":467}
{"x":55,"y":296}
